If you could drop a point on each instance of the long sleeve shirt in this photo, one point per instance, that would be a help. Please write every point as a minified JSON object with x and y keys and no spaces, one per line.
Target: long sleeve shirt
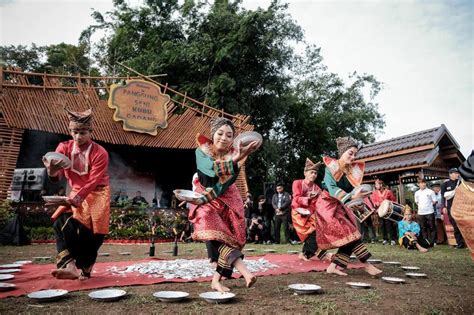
{"x":405,"y":226}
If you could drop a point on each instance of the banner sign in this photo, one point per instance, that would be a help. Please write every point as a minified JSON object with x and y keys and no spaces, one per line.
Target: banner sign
{"x":140,"y":105}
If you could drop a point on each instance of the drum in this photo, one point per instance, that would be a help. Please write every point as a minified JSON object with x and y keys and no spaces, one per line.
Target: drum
{"x":362,"y":208}
{"x":391,"y":211}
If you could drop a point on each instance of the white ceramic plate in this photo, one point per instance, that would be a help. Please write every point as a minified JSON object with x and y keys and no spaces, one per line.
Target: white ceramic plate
{"x":58,"y":156}
{"x":416,"y":275}
{"x":269,"y":250}
{"x":54,"y":198}
{"x":359,"y":285}
{"x":249,"y":249}
{"x":293,"y":252}
{"x":394,"y":263}
{"x":186,"y":195}
{"x":7,"y":286}
{"x":9,"y":270}
{"x":171,"y":296}
{"x":364,"y":188}
{"x":217,"y":297}
{"x":304,"y":288}
{"x":6,"y":277}
{"x":393,"y":280}
{"x":42,"y":258}
{"x":410,"y":268}
{"x":374,"y":261}
{"x":125,"y":253}
{"x":247,"y":137}
{"x":9,"y":266}
{"x":303,"y":211}
{"x":48,"y":295}
{"x":23,"y":262}
{"x":103,"y":254}
{"x":107,"y":295}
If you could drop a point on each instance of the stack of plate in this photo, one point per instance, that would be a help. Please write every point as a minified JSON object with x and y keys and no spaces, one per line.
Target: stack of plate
{"x":217,"y":297}
{"x":171,"y":296}
{"x":48,"y":295}
{"x":304,"y":288}
{"x":107,"y":295}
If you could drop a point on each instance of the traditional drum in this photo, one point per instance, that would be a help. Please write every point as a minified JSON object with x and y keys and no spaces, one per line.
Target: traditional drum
{"x":362,"y":208}
{"x":391,"y":211}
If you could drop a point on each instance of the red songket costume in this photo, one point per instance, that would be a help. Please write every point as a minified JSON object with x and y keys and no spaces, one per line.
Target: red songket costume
{"x":304,"y":225}
{"x":89,"y":181}
{"x":377,"y":196}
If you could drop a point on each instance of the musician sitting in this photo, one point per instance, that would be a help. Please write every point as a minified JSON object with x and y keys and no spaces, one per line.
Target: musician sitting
{"x":409,"y":233}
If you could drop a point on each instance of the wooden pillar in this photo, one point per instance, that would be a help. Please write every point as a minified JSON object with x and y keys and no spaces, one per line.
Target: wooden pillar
{"x":401,"y":190}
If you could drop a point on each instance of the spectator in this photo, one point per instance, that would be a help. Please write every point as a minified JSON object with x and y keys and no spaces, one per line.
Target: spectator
{"x":248,"y":207}
{"x":440,"y":233}
{"x":426,"y":200}
{"x":139,"y":199}
{"x":281,"y":202}
{"x":255,"y":230}
{"x":122,"y":198}
{"x":409,"y":233}
{"x":266,"y":211}
{"x":447,"y":195}
{"x":380,"y":194}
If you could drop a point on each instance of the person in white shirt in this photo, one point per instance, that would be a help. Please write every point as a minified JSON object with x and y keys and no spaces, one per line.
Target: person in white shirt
{"x":425,"y":200}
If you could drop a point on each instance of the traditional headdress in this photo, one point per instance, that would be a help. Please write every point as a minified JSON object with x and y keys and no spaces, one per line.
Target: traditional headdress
{"x":218,"y":122}
{"x":310,"y":166}
{"x":80,"y":120}
{"x":345,"y":143}
{"x":407,"y":209}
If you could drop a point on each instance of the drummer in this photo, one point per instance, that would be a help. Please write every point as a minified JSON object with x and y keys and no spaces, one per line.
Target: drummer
{"x":82,"y":220}
{"x":305,"y":193}
{"x":409,"y":233}
{"x":336,"y":225}
{"x":218,"y":216}
{"x":381,"y":193}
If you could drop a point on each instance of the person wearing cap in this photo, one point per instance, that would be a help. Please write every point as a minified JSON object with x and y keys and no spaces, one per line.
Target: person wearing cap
{"x":336,"y":225}
{"x":305,"y":193}
{"x":82,"y":220}
{"x":447,"y":194}
{"x":218,"y":215}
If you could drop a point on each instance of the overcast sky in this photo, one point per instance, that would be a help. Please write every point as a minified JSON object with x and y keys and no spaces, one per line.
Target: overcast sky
{"x":422,"y":51}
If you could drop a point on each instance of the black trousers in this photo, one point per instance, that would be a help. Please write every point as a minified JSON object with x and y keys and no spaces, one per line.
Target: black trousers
{"x":226,"y":257}
{"x":255,"y":233}
{"x":457,"y":233}
{"x":409,"y":243}
{"x":310,"y":247}
{"x":212,"y":252}
{"x":367,"y":230}
{"x":279,"y":221}
{"x":428,"y":227}
{"x":75,"y":242}
{"x":388,"y":230}
{"x":343,"y":254}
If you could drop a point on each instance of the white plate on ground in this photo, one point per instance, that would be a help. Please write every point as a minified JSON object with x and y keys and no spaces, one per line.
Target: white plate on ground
{"x":359,"y":285}
{"x":9,"y":270}
{"x":42,"y":258}
{"x":103,"y":254}
{"x":410,"y":268}
{"x":416,"y":275}
{"x":269,"y":250}
{"x":187,"y":195}
{"x":217,"y":297}
{"x":374,"y":261}
{"x":247,"y":137}
{"x":303,"y":211}
{"x":10,"y":266}
{"x":170,"y":251}
{"x":393,"y":280}
{"x":54,"y":198}
{"x":171,"y":296}
{"x":58,"y":156}
{"x":249,"y":249}
{"x":6,"y":277}
{"x":7,"y":286}
{"x":304,"y":288}
{"x":125,"y":253}
{"x":47,"y":295}
{"x":23,"y":262}
{"x":107,"y":295}
{"x":293,"y":252}
{"x":393,"y":263}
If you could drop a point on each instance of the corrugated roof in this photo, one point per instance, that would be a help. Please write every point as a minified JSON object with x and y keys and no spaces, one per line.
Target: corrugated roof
{"x":417,"y":139}
{"x":401,"y":161}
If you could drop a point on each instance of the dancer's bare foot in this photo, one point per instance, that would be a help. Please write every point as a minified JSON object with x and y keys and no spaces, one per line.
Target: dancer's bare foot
{"x":70,"y":272}
{"x":372,"y":270}
{"x":421,"y":249}
{"x":219,"y":287}
{"x":301,"y":256}
{"x":251,"y":281}
{"x":333,"y":269}
{"x":328,"y":257}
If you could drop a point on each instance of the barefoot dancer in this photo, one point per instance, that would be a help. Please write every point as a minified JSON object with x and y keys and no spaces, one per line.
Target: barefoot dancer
{"x":218,"y":216}
{"x":336,"y":225}
{"x":305,"y":193}
{"x":81,"y":221}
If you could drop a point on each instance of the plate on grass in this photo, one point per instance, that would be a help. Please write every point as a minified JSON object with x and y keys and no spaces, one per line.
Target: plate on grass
{"x":393,"y":280}
{"x":359,"y":285}
{"x":269,"y":250}
{"x":107,"y":295}
{"x":171,"y":296}
{"x":48,"y":295}
{"x":305,"y":288}
{"x":374,"y":261}
{"x":393,"y":263}
{"x":217,"y":297}
{"x":249,"y":249}
{"x":416,"y":275}
{"x":410,"y":268}
{"x":293,"y":252}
